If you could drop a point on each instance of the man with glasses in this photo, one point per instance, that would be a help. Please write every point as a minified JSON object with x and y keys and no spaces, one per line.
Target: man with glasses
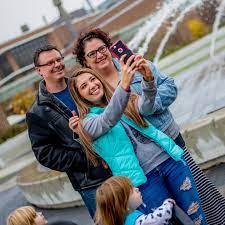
{"x":53,"y":142}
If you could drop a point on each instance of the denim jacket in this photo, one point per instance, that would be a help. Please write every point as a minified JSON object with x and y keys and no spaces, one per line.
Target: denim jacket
{"x":160,"y":117}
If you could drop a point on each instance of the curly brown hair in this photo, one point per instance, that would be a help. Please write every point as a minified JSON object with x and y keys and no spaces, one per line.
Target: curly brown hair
{"x":83,"y":37}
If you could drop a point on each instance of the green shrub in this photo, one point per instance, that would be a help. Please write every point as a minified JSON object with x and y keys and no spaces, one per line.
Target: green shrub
{"x":22,"y":101}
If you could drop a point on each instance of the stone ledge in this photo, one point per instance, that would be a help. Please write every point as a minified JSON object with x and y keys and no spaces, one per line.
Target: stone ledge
{"x":14,"y":148}
{"x":206,"y":139}
{"x":52,"y":192}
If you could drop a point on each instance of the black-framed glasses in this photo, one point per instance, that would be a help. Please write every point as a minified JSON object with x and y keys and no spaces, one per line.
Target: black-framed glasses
{"x":52,"y":62}
{"x":93,"y":54}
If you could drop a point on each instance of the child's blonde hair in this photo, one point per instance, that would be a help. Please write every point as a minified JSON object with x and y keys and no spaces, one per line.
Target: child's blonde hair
{"x":112,"y":201}
{"x":22,"y":216}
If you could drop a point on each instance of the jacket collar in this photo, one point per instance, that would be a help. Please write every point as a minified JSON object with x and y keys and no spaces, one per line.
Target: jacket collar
{"x":97,"y":109}
{"x":44,"y":97}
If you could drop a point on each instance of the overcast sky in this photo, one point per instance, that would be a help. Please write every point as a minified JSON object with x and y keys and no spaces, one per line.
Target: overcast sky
{"x":14,"y":13}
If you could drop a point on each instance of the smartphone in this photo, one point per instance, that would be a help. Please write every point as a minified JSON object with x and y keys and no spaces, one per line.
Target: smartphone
{"x":119,"y":48}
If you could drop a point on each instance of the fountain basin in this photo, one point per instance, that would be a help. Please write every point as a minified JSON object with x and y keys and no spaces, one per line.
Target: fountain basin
{"x":47,"y":189}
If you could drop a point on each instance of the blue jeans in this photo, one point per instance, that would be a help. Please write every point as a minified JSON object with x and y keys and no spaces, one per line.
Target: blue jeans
{"x":172,"y":179}
{"x":89,"y":197}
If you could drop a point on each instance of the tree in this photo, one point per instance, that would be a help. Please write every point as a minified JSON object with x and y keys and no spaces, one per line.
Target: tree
{"x":4,"y":124}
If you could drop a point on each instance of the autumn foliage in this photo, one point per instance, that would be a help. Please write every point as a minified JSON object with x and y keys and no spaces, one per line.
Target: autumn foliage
{"x":22,"y":101}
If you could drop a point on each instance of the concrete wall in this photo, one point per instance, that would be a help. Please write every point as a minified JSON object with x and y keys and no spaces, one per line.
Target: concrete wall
{"x":54,"y":192}
{"x":206,"y":139}
{"x":14,"y":148}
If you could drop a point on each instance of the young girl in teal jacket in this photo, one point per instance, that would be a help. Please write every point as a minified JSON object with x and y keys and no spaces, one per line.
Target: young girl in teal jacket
{"x":113,"y":131}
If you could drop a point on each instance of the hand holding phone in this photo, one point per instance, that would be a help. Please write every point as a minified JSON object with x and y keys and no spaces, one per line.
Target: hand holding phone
{"x":127,"y":72}
{"x":119,"y":48}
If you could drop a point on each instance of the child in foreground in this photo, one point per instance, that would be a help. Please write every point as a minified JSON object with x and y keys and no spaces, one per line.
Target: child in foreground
{"x":117,"y":202}
{"x":27,"y":215}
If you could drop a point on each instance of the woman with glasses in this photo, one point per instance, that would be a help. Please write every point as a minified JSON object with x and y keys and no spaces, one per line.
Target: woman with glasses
{"x":92,"y":51}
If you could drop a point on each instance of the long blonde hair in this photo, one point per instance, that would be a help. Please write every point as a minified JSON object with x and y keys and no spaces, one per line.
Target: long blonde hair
{"x":22,"y":216}
{"x":112,"y":201}
{"x":84,"y":105}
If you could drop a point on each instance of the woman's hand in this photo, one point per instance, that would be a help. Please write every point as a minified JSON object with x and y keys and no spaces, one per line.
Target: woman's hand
{"x":170,"y":200}
{"x":128,"y":70}
{"x":143,"y":68}
{"x":73,"y":122}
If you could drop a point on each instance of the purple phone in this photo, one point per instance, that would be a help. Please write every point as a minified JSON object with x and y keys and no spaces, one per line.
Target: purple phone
{"x":119,"y":48}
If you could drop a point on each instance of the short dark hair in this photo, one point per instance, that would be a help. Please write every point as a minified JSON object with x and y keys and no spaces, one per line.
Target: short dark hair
{"x":83,"y":37}
{"x":44,"y":48}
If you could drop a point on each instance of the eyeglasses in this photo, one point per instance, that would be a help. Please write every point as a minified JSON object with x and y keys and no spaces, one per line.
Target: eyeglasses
{"x":52,"y":62}
{"x":93,"y":53}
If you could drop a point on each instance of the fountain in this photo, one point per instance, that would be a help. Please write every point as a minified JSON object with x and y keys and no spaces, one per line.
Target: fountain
{"x":215,"y":27}
{"x":151,"y":26}
{"x":52,"y":189}
{"x":202,"y":84}
{"x":173,"y":28}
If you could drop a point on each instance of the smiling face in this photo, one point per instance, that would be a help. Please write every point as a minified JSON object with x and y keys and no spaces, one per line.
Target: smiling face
{"x":135,"y":199}
{"x":103,"y":58}
{"x":40,"y":219}
{"x":90,"y":88}
{"x":51,"y":66}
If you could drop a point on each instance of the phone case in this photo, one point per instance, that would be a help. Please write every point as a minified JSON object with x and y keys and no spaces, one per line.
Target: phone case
{"x":119,"y":48}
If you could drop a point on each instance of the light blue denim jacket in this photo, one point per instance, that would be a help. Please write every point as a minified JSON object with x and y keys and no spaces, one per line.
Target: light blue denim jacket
{"x":160,"y":116}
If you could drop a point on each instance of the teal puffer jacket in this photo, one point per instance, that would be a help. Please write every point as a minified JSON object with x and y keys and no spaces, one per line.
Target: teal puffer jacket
{"x":132,"y":217}
{"x":116,"y":148}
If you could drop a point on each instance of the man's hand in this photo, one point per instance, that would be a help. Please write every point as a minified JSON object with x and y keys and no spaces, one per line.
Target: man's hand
{"x":128,"y":70}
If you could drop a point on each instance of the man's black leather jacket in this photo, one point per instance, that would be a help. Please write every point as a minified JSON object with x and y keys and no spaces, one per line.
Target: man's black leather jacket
{"x":53,"y":143}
